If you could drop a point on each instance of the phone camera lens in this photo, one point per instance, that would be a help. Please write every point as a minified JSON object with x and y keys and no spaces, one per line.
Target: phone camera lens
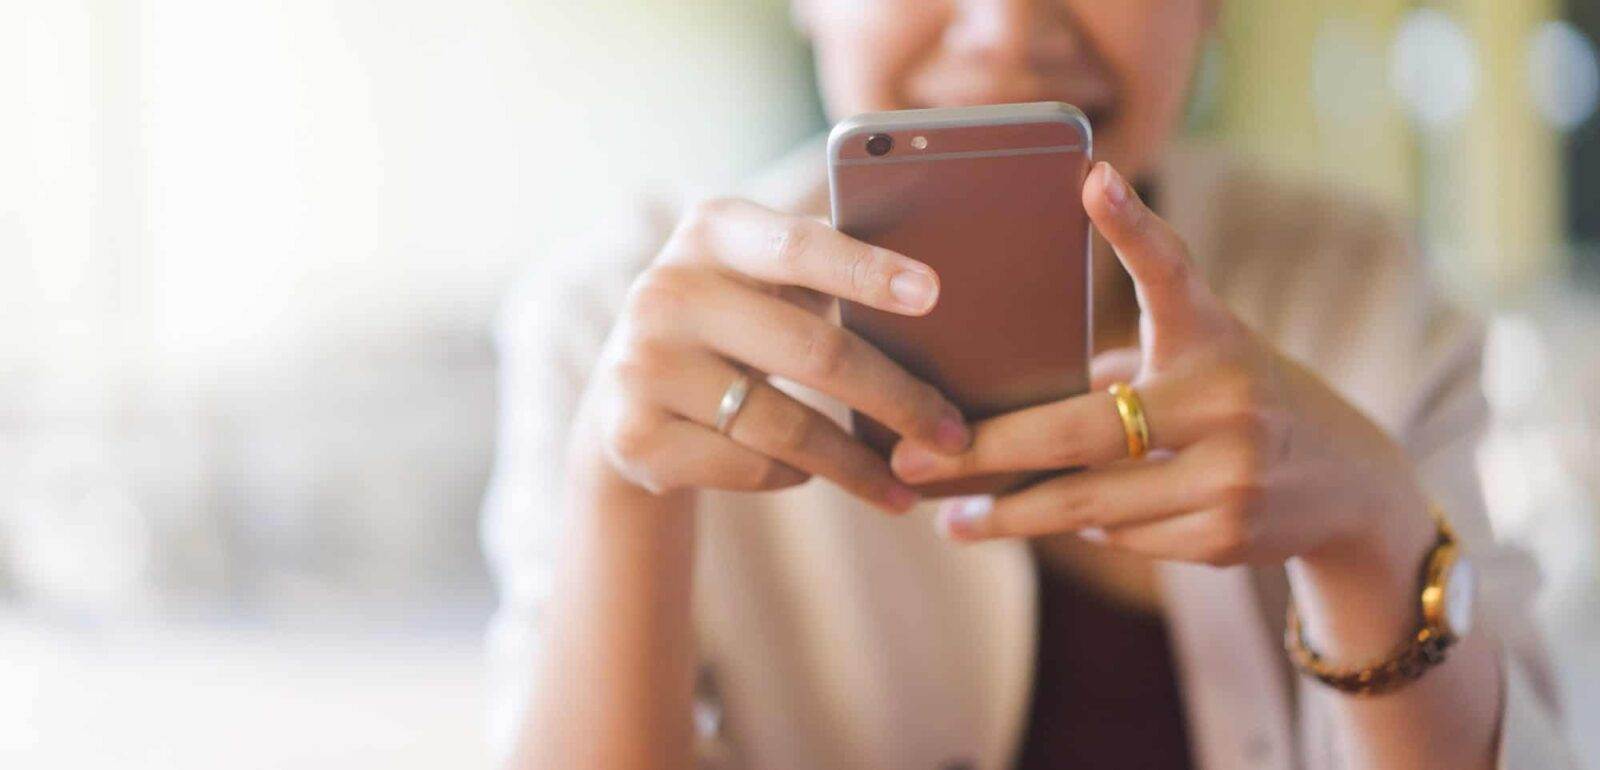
{"x":879,"y":145}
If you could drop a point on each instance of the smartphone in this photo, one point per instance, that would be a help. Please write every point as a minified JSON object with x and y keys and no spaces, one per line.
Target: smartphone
{"x":991,"y":198}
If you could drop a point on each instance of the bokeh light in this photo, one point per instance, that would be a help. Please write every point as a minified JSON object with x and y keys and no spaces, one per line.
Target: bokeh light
{"x":1433,"y":67}
{"x":1563,"y":74}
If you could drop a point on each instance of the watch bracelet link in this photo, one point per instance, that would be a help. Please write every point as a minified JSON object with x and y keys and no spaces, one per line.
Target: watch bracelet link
{"x":1406,"y":664}
{"x":1409,"y":660}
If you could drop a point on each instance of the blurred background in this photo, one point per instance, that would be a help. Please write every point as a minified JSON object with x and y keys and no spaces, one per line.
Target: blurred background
{"x":251,"y":252}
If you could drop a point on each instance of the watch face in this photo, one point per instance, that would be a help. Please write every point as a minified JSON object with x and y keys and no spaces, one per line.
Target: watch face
{"x":1461,"y":586}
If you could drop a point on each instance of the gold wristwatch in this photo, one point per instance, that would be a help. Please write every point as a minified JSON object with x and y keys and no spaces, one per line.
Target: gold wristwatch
{"x":1449,"y":585}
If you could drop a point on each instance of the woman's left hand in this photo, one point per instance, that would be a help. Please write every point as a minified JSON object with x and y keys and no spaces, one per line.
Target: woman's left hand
{"x":1253,"y":458}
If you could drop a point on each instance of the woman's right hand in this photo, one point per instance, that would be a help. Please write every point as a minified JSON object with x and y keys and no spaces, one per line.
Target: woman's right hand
{"x":741,"y":288}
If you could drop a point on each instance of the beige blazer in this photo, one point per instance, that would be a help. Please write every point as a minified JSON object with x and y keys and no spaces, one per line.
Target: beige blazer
{"x":835,"y":637}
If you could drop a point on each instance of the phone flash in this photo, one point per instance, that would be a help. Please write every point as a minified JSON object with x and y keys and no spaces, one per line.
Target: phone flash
{"x":919,"y":142}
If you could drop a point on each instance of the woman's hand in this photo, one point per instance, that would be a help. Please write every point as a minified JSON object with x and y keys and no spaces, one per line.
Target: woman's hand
{"x":1254,"y":459}
{"x":740,"y":288}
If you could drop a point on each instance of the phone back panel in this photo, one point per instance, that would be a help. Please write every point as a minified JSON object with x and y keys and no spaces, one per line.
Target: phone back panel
{"x":992,"y":202}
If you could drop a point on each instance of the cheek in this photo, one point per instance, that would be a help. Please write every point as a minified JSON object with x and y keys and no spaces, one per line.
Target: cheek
{"x":866,"y":50}
{"x":1153,"y":56}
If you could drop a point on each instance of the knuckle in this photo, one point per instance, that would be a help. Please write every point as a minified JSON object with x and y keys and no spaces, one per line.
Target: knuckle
{"x":790,"y":244}
{"x":1234,"y":385}
{"x":826,"y":352}
{"x":1243,"y":400}
{"x":867,"y":274}
{"x":634,"y":445}
{"x":631,"y":438}
{"x":1254,"y":427}
{"x":1229,"y":541}
{"x":1240,"y":499}
{"x":704,"y":212}
{"x":660,"y":294}
{"x":643,"y":362}
{"x":1240,"y":485}
{"x":655,"y":484}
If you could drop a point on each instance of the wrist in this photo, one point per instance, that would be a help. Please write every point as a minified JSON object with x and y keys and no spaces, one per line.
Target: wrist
{"x":1389,"y":543}
{"x":621,"y":534}
{"x":607,"y":491}
{"x":1360,"y":595}
{"x":601,"y":493}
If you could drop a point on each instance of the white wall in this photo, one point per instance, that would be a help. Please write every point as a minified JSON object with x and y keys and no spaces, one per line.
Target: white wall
{"x":249,"y":253}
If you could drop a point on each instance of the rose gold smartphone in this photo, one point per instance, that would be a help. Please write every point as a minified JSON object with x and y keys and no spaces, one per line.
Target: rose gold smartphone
{"x":991,"y":198}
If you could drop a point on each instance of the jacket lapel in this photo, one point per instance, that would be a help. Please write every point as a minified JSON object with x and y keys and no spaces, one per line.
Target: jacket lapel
{"x":1235,"y":695}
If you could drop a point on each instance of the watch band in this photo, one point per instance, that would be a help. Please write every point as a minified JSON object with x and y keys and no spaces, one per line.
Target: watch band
{"x":1409,"y":661}
{"x":1412,"y":658}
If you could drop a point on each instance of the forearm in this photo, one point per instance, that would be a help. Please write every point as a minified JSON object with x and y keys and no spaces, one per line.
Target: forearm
{"x":615,"y":678}
{"x":1357,"y":605}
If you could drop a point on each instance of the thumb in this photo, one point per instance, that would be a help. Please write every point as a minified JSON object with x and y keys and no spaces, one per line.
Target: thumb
{"x":1151,"y":251}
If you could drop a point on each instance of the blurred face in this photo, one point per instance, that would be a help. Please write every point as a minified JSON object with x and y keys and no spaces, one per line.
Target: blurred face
{"x":1125,"y":63}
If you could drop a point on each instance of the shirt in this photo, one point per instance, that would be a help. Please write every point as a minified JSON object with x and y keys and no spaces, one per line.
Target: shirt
{"x":1105,"y":693}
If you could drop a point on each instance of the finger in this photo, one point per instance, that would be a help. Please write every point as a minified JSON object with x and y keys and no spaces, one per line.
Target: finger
{"x":1115,"y":365}
{"x":1131,"y":493}
{"x":813,"y":301}
{"x":1084,"y":430}
{"x":781,"y":339}
{"x":1200,"y":536}
{"x":774,"y":424}
{"x":676,"y":453}
{"x":777,"y":248}
{"x":1073,"y":432}
{"x":1151,"y":251}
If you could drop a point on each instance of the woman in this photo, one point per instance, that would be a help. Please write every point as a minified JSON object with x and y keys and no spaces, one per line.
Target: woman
{"x":676,"y":592}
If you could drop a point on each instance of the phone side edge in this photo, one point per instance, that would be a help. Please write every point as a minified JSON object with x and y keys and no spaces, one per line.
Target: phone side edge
{"x":960,"y":117}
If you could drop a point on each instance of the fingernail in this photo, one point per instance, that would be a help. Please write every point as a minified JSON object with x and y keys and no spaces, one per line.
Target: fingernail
{"x":913,"y":289}
{"x":901,"y":497}
{"x":911,"y":462}
{"x":963,"y":517}
{"x":952,"y":435}
{"x":1116,"y":188}
{"x":1092,"y":534}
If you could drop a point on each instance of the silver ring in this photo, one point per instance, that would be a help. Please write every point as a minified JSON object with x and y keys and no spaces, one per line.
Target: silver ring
{"x":733,"y":400}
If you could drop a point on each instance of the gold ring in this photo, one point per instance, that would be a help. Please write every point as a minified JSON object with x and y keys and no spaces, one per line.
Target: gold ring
{"x":1131,"y":410}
